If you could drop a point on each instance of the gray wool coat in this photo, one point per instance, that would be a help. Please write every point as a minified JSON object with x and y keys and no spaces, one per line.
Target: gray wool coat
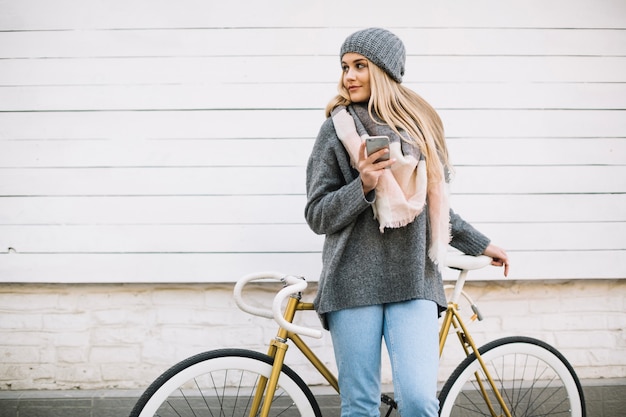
{"x":360,"y":265}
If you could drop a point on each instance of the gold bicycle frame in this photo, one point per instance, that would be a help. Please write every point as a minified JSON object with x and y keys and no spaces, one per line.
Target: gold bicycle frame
{"x":278,"y":349}
{"x":453,"y":318}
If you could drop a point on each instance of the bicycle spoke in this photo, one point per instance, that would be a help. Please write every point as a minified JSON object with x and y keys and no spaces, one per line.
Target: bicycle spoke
{"x":231,"y":395}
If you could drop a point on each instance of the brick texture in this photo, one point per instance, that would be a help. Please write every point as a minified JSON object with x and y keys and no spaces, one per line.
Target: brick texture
{"x":124,"y":336}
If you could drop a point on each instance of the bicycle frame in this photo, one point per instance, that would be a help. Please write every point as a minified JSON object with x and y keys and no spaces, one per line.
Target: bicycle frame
{"x":453,"y":318}
{"x":278,"y":349}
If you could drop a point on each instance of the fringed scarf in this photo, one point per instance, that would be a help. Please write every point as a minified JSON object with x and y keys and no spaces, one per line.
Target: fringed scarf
{"x":402,"y":191}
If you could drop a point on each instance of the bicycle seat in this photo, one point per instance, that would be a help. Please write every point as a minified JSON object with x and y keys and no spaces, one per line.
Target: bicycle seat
{"x":467,"y":262}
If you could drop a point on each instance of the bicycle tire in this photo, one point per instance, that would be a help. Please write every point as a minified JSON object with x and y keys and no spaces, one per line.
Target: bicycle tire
{"x":221,"y":383}
{"x":533,"y":377}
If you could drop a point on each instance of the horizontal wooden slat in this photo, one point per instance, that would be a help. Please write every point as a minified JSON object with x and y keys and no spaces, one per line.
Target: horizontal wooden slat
{"x":75,"y":14}
{"x":161,"y":125}
{"x":276,"y":152}
{"x":153,"y":181}
{"x":156,"y":153}
{"x":291,"y":180}
{"x":294,"y":69}
{"x":602,"y":96}
{"x":540,"y":179}
{"x":284,"y":123}
{"x":530,"y":236}
{"x":181,"y":268}
{"x":534,"y":123}
{"x":541,"y":208}
{"x":536,"y":151}
{"x":151,"y":210}
{"x":215,"y":238}
{"x":250,"y":209}
{"x":299,"y":41}
{"x":283,"y":238}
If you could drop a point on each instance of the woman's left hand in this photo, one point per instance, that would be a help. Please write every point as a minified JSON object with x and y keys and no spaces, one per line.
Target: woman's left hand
{"x":499,"y":257}
{"x":370,"y":170}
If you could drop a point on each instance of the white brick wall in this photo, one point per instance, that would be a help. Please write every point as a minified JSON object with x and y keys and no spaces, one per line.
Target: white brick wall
{"x":123,"y":336}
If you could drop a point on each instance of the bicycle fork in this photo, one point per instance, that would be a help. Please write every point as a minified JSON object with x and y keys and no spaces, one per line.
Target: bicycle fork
{"x":452,"y":318}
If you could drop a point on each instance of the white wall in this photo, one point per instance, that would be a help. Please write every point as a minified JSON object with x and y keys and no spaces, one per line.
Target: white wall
{"x":112,"y":336}
{"x":160,"y":142}
{"x":165,"y":142}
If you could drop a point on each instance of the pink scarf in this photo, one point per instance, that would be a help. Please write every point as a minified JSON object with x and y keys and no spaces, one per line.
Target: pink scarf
{"x":402,"y":191}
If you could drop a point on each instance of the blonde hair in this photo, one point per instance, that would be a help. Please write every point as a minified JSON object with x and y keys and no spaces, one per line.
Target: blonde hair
{"x":404,"y":110}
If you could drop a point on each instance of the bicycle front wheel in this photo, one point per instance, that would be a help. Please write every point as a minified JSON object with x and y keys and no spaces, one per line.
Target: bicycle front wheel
{"x":223,"y":383}
{"x":533,"y":378}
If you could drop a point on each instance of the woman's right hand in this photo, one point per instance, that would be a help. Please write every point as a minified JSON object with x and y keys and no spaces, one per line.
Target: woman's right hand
{"x":371,"y":170}
{"x":499,"y":257}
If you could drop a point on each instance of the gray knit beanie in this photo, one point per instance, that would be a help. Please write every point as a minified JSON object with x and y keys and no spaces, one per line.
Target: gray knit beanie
{"x":381,"y":47}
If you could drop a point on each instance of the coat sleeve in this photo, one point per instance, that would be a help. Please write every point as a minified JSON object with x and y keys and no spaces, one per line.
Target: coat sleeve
{"x":465,"y":237}
{"x":334,"y":191}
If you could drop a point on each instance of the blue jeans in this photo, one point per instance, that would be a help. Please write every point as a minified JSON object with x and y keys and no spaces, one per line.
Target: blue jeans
{"x":410,"y":330}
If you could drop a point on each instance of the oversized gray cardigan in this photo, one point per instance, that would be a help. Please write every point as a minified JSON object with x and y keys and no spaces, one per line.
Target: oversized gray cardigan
{"x":360,"y":265}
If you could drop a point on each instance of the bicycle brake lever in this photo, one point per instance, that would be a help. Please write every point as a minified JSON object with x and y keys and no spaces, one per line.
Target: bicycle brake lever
{"x":479,"y":316}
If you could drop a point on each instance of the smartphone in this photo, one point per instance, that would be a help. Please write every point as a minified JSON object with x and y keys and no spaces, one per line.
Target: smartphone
{"x":376,"y":143}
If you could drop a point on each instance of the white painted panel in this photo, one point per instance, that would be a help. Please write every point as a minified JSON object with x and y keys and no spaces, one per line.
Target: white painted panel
{"x":284,"y":238}
{"x":294,"y":69}
{"x":297,"y":123}
{"x":534,"y":123}
{"x":167,"y":97}
{"x":38,"y":14}
{"x":155,"y":153}
{"x":153,"y":210}
{"x":290,"y":209}
{"x":523,"y":95}
{"x":303,"y":95}
{"x":556,"y":236}
{"x":276,"y":152}
{"x":540,"y":208}
{"x":540,"y":179}
{"x":304,"y":41}
{"x":180,"y":268}
{"x":214,"y":238}
{"x":153,"y":181}
{"x":177,"y":268}
{"x":537,"y":151}
{"x":291,"y":180}
{"x":161,"y":125}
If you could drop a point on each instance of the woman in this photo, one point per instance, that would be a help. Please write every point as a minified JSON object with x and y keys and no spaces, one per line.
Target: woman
{"x":387,"y":225}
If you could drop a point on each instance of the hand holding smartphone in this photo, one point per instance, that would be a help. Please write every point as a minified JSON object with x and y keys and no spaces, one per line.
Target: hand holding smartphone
{"x":376,"y":143}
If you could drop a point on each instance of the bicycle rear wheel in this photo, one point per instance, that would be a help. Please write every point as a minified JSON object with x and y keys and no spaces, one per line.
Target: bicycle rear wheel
{"x":222,"y":382}
{"x":533,"y":378}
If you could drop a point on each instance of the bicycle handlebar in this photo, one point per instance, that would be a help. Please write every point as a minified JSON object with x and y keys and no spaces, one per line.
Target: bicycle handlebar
{"x":293,"y":285}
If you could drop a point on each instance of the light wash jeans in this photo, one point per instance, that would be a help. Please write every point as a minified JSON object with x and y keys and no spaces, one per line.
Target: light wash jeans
{"x":410,"y":330}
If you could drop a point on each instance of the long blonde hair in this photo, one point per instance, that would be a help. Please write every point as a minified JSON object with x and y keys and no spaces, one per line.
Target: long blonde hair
{"x":404,"y":110}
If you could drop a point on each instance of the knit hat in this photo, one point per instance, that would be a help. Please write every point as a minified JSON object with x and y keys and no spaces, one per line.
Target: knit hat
{"x":381,"y":47}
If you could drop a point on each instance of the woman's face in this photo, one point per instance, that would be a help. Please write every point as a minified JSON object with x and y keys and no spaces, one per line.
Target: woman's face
{"x":356,"y":77}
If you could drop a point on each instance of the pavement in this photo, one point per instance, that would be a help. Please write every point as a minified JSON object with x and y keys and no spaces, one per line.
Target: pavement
{"x":100,"y":403}
{"x":603,"y":399}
